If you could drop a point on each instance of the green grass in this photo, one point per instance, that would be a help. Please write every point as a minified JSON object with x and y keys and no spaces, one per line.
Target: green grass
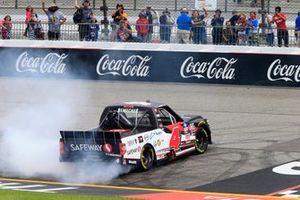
{"x":21,"y":195}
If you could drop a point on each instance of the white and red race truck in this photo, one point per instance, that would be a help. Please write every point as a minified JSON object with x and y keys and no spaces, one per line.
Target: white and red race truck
{"x":137,"y":133}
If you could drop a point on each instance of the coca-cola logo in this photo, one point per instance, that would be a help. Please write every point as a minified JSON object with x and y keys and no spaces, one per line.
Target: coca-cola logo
{"x":277,"y":72}
{"x":134,"y":65}
{"x":52,"y":63}
{"x":219,"y":68}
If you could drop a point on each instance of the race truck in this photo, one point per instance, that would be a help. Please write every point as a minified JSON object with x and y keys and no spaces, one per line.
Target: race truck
{"x":137,"y":133}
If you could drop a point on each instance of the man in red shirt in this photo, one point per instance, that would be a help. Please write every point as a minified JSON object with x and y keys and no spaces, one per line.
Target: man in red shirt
{"x":142,"y":26}
{"x":280,"y":20}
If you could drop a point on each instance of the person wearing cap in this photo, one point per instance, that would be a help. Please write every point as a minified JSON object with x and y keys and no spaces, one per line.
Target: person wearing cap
{"x":55,"y":19}
{"x":280,"y":20}
{"x":184,"y":25}
{"x":233,"y":22}
{"x":86,"y":13}
{"x":217,"y":23}
{"x":297,"y":28}
{"x":166,"y":23}
{"x":151,"y":14}
{"x":119,"y":14}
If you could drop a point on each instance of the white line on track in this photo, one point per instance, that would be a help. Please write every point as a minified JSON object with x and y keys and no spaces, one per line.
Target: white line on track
{"x":32,"y":188}
{"x":51,"y":190}
{"x":21,"y":187}
{"x":8,"y":184}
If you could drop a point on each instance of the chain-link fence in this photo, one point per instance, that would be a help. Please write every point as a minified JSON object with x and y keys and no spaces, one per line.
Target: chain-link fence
{"x":16,"y":8}
{"x":133,"y":7}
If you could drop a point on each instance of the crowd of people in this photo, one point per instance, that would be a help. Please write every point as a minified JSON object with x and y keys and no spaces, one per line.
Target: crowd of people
{"x":191,"y":26}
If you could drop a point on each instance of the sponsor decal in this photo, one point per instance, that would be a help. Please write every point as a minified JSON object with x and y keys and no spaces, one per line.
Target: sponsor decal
{"x":128,"y":110}
{"x":132,"y":142}
{"x":292,"y":168}
{"x":134,"y":162}
{"x":157,"y":143}
{"x":52,"y":63}
{"x":140,"y":138}
{"x":85,"y":147}
{"x":135,"y":150}
{"x":219,"y":68}
{"x":150,"y":135}
{"x":133,"y":66}
{"x":278,"y":71}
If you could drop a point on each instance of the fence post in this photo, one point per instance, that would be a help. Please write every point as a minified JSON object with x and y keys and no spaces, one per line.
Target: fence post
{"x":16,"y":4}
{"x":134,"y":5}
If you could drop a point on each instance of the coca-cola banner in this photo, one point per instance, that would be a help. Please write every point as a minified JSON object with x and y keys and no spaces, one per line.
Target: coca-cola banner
{"x":161,"y":66}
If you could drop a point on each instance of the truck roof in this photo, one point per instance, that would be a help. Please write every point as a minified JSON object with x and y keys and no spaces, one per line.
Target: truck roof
{"x":148,"y":104}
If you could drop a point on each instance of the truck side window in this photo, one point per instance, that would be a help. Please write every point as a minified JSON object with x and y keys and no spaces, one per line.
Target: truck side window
{"x":165,"y":117}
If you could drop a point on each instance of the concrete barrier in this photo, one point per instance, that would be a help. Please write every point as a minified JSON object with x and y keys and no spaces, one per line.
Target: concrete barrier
{"x":151,"y":62}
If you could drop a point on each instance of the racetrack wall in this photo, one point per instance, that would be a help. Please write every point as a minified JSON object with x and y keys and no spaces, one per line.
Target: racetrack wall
{"x":151,"y":62}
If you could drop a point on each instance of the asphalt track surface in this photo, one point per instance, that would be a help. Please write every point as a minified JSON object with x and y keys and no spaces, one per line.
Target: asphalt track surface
{"x":254,"y":129}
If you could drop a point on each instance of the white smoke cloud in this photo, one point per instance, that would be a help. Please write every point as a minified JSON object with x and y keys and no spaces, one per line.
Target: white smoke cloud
{"x":29,"y":143}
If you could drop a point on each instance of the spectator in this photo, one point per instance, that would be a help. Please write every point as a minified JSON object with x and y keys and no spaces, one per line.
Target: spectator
{"x":252,"y":29}
{"x":269,"y":31}
{"x":118,"y":15}
{"x":124,"y":33}
{"x":241,"y":27}
{"x":86,"y":13}
{"x":166,"y":24}
{"x":280,"y":20}
{"x":29,"y":11}
{"x":6,"y":27}
{"x":228,"y":34}
{"x":198,"y":27}
{"x":142,"y":27}
{"x":297,"y":28}
{"x":217,"y":23}
{"x":35,"y":30}
{"x":55,"y":19}
{"x":233,"y":22}
{"x":151,"y":15}
{"x":94,"y":29}
{"x":184,"y":24}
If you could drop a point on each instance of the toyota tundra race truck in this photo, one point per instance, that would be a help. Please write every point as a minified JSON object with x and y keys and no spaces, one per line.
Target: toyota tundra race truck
{"x":137,"y":133}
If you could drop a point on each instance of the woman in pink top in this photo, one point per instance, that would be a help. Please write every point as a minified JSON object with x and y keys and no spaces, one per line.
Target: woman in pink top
{"x":29,"y":11}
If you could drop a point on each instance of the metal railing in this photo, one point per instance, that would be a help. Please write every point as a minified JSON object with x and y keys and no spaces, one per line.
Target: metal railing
{"x":70,"y":31}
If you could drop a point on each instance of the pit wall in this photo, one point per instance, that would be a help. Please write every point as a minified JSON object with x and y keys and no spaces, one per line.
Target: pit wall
{"x":184,"y":63}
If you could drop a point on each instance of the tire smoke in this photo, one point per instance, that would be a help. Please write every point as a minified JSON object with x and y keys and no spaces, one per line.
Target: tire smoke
{"x":29,"y":146}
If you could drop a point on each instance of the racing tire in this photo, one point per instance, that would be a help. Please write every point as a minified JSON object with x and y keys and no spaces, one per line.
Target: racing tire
{"x":147,"y":158}
{"x":202,"y":141}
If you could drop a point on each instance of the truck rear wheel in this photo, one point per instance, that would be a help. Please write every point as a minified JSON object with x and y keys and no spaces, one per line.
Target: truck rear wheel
{"x":147,"y":157}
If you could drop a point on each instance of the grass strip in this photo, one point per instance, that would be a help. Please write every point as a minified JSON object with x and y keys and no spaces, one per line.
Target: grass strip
{"x":24,"y":195}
